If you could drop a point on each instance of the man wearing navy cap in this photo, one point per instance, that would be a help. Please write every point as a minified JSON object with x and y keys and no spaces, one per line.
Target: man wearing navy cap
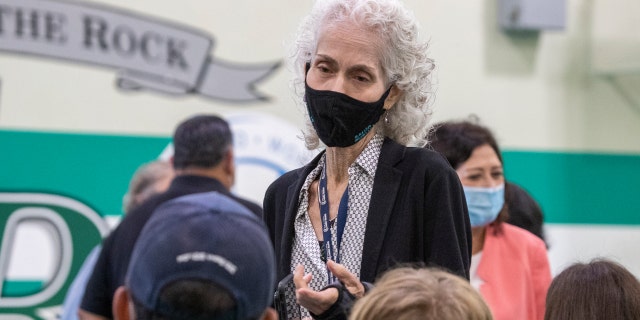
{"x":201,"y":256}
{"x":203,"y":162}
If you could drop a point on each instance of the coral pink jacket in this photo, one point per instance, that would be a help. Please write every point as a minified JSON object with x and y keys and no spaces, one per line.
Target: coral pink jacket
{"x":516,"y":273}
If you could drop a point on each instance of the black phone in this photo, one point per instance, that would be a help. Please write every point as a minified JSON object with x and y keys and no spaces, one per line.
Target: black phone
{"x":279,"y":299}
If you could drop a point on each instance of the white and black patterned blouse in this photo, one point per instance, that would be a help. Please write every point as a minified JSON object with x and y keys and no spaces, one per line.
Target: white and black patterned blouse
{"x":306,"y":248}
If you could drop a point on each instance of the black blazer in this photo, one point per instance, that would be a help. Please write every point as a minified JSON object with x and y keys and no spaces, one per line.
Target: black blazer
{"x":417,"y":214}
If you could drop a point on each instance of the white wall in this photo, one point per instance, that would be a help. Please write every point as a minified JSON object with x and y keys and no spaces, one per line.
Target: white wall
{"x":537,"y":90}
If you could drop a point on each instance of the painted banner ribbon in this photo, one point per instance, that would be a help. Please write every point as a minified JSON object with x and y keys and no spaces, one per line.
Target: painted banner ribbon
{"x":147,"y":52}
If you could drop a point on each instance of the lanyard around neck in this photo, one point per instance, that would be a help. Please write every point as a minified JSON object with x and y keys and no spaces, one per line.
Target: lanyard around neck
{"x":323,"y":200}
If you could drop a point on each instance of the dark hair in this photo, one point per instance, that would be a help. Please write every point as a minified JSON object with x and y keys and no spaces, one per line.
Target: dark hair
{"x":600,"y":289}
{"x":456,"y":140}
{"x":201,"y":141}
{"x":524,"y":211}
{"x":190,"y":299}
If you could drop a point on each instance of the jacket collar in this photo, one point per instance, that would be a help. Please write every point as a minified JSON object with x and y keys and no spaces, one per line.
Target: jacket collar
{"x":293,"y":194}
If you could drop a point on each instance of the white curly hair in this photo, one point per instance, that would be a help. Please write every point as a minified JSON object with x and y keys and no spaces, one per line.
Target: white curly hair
{"x":404,"y":61}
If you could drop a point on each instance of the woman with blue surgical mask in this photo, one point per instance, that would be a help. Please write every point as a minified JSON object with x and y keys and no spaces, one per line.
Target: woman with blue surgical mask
{"x":509,"y":265}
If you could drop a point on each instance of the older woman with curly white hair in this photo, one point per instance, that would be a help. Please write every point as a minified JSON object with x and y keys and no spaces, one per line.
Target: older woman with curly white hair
{"x":369,"y":201}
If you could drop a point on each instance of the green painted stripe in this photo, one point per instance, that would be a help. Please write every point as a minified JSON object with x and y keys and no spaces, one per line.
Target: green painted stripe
{"x":585,"y":188}
{"x":21,"y":288}
{"x":94,"y":169}
{"x":579,"y":188}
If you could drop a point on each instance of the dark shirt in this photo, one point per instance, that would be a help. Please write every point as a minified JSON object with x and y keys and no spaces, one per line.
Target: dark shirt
{"x":111,"y":268}
{"x":524,"y":210}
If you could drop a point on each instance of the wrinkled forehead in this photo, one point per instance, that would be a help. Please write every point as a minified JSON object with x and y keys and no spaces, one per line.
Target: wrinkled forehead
{"x":352,"y":24}
{"x":366,"y":38}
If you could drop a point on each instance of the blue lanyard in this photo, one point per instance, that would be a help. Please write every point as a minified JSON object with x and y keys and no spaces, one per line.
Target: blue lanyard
{"x":323,"y":200}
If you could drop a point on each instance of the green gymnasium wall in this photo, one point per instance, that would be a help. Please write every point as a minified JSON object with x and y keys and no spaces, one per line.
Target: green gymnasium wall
{"x":580,"y":188}
{"x":571,"y":187}
{"x":93,"y":169}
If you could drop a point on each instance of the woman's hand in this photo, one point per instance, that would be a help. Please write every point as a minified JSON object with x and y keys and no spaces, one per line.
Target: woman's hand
{"x":348,"y":279}
{"x":317,"y":302}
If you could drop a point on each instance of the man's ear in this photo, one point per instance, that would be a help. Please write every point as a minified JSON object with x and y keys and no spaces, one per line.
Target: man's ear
{"x":270,"y":314}
{"x":230,"y":164}
{"x":121,"y":304}
{"x":86,"y":315}
{"x":229,"y":159}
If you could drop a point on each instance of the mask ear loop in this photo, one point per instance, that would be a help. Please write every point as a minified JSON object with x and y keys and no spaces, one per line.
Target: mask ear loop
{"x":307,"y":66}
{"x":386,"y":112}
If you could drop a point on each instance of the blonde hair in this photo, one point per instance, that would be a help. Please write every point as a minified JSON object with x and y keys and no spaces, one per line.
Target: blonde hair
{"x":149,"y":179}
{"x":421,"y":293}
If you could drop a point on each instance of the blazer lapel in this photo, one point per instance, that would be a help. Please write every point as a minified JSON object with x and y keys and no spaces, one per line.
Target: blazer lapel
{"x":293,"y":193}
{"x":385,"y":189}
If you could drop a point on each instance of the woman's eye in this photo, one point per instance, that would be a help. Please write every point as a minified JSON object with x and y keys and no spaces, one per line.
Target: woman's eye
{"x":497,"y":174}
{"x":474,"y":177}
{"x":362,"y":78}
{"x":323,"y":69}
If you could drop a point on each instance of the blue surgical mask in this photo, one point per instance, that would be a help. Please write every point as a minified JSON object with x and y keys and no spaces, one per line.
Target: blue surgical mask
{"x":484,"y":204}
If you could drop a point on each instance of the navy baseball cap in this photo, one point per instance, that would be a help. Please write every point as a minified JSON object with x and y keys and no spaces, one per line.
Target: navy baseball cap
{"x":205,"y":236}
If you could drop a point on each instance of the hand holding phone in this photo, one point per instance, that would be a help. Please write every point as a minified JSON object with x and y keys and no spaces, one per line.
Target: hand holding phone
{"x":279,"y":298}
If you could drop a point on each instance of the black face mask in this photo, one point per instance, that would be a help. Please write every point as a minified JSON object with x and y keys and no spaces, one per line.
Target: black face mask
{"x":339,"y":120}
